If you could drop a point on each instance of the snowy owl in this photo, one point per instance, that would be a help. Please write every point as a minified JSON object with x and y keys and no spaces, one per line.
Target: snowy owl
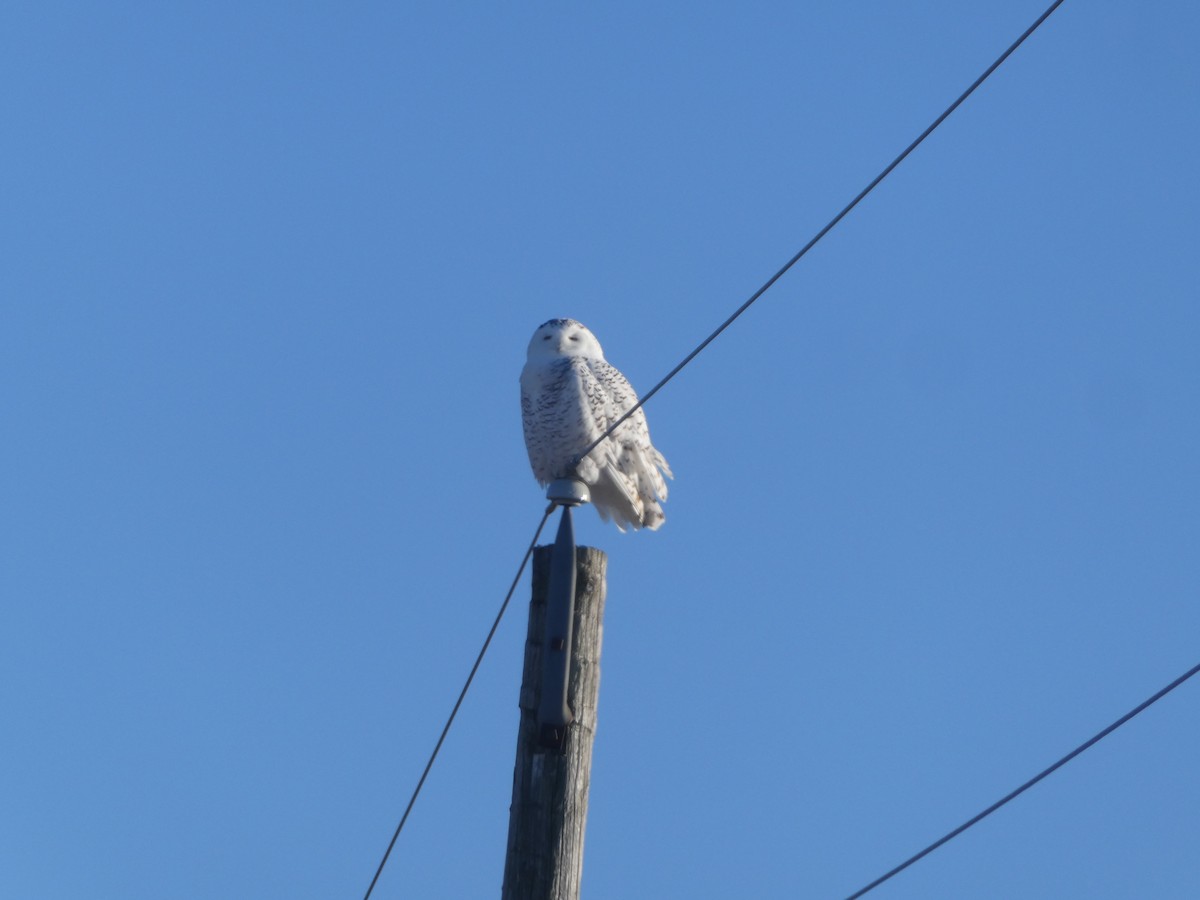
{"x":569,"y":396}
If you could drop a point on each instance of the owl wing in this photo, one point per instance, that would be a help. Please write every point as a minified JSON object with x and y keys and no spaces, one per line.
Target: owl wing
{"x":628,"y":471}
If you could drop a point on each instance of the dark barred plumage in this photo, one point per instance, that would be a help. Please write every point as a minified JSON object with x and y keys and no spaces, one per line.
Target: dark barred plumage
{"x":569,"y":396}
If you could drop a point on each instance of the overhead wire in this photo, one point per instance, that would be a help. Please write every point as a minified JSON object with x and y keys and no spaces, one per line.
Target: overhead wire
{"x":675,"y":371}
{"x":828,"y":227}
{"x":462,"y":694}
{"x":1027,"y":785}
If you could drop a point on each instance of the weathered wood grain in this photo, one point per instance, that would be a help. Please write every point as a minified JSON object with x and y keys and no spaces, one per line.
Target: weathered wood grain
{"x":548,"y":816}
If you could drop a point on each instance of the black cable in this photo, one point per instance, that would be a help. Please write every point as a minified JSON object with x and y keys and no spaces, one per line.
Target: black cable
{"x":1030,"y":783}
{"x":675,"y":371}
{"x":829,"y":227}
{"x":479,"y":659}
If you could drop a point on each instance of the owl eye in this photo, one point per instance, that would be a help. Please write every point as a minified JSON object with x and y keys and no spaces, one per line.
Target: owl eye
{"x":546,"y":337}
{"x":574,"y":337}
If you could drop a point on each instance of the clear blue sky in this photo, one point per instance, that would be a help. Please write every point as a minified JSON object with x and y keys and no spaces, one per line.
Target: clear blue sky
{"x":267,"y":274}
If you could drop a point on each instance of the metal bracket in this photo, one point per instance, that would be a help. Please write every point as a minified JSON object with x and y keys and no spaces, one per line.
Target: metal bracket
{"x":554,"y":714}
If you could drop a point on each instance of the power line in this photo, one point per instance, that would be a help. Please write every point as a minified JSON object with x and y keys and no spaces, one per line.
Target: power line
{"x":829,"y":227}
{"x":450,"y":721}
{"x":1030,"y":783}
{"x":675,"y":371}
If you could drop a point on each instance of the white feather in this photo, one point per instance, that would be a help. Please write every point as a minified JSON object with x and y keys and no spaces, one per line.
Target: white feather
{"x":569,"y":396}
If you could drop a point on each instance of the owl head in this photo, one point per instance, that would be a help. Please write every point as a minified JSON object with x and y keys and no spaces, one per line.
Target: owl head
{"x":563,"y":337}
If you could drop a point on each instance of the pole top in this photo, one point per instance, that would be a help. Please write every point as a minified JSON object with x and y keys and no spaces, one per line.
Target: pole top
{"x":568,"y":492}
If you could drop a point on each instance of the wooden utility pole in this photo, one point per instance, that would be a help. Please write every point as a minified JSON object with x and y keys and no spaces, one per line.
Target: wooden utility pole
{"x":550,"y":788}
